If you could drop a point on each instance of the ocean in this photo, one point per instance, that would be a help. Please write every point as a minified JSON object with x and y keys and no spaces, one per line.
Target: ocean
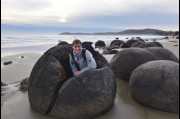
{"x":33,"y":43}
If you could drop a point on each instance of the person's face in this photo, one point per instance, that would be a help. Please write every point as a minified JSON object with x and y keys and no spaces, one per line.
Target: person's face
{"x":77,"y":48}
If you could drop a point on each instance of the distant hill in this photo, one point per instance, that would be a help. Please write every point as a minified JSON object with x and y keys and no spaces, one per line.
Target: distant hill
{"x":128,"y":32}
{"x":144,"y":32}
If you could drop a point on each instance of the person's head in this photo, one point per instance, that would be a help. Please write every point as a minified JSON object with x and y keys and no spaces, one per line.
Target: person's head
{"x":77,"y":46}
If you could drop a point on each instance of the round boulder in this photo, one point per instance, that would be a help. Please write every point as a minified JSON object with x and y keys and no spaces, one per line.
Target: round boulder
{"x":136,"y":44}
{"x":53,"y":90}
{"x":116,"y":43}
{"x":125,"y":61}
{"x":163,"y":53}
{"x":62,"y":43}
{"x":3,"y":84}
{"x":110,"y":51}
{"x":147,"y":44}
{"x":129,"y":43}
{"x":24,"y":84}
{"x":142,"y":44}
{"x":100,"y":44}
{"x":139,"y":39}
{"x":158,"y":44}
{"x":155,"y":84}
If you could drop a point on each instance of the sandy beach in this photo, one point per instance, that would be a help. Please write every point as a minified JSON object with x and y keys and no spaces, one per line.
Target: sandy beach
{"x":15,"y":103}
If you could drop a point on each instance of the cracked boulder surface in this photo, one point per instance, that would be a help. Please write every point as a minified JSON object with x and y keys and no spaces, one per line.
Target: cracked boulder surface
{"x":155,"y":84}
{"x":54,"y":91}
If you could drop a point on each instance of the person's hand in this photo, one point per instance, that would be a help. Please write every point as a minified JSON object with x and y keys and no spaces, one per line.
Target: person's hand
{"x":76,"y":74}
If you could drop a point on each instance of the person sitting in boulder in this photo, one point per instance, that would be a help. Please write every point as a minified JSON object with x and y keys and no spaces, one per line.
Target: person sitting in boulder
{"x":81,"y":59}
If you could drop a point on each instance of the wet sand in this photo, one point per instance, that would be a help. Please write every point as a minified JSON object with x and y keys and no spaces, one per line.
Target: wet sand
{"x":15,"y":104}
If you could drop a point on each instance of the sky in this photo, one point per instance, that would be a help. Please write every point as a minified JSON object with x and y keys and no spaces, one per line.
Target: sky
{"x":55,"y":16}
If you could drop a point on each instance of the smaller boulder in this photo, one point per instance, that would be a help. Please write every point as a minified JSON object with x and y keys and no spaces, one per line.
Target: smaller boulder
{"x":100,"y":44}
{"x":24,"y":84}
{"x":7,"y":63}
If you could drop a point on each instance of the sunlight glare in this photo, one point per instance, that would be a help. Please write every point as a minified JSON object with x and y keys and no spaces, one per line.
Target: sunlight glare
{"x":63,"y":20}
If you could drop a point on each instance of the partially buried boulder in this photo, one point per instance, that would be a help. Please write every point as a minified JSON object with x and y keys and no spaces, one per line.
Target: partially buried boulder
{"x":7,"y":63}
{"x":155,"y":84}
{"x":109,"y":51}
{"x":62,"y":43}
{"x":24,"y":84}
{"x":116,"y":43}
{"x":147,"y":44}
{"x":3,"y":84}
{"x":53,"y":90}
{"x":136,"y":44}
{"x":158,"y":44}
{"x":129,"y":43}
{"x":100,"y":44}
{"x":142,"y":44}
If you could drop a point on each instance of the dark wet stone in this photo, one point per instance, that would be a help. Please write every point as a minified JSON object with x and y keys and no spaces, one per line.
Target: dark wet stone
{"x":116,"y":43}
{"x":7,"y":63}
{"x":24,"y":84}
{"x":142,"y":44}
{"x":124,"y":62}
{"x":155,"y":84}
{"x":146,"y":44}
{"x":94,"y":96}
{"x":53,"y":90}
{"x":63,"y":43}
{"x":110,"y":51}
{"x":163,"y":53}
{"x":158,"y":44}
{"x":88,"y":46}
{"x":136,"y":44}
{"x":139,"y":39}
{"x":129,"y":43}
{"x":100,"y":44}
{"x":3,"y":84}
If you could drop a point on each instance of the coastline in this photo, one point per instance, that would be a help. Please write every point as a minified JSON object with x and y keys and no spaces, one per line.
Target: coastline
{"x":16,"y":103}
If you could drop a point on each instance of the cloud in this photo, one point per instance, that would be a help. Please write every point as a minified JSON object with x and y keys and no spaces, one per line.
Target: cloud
{"x":33,"y":11}
{"x":92,"y":13}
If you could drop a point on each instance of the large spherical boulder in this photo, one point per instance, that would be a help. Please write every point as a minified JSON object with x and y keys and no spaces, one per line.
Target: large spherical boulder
{"x":125,"y":61}
{"x":147,"y":44}
{"x":53,"y":90}
{"x":163,"y":53}
{"x":24,"y":84}
{"x":89,"y":47}
{"x":136,"y":44}
{"x":62,"y":43}
{"x":100,"y":44}
{"x":139,"y":39}
{"x":158,"y":44}
{"x":116,"y":43}
{"x":90,"y":95}
{"x":129,"y":43}
{"x":142,"y":44}
{"x":155,"y":84}
{"x":109,"y":51}
{"x":3,"y":84}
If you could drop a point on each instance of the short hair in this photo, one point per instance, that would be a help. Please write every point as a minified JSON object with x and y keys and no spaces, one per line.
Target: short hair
{"x":76,"y":41}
